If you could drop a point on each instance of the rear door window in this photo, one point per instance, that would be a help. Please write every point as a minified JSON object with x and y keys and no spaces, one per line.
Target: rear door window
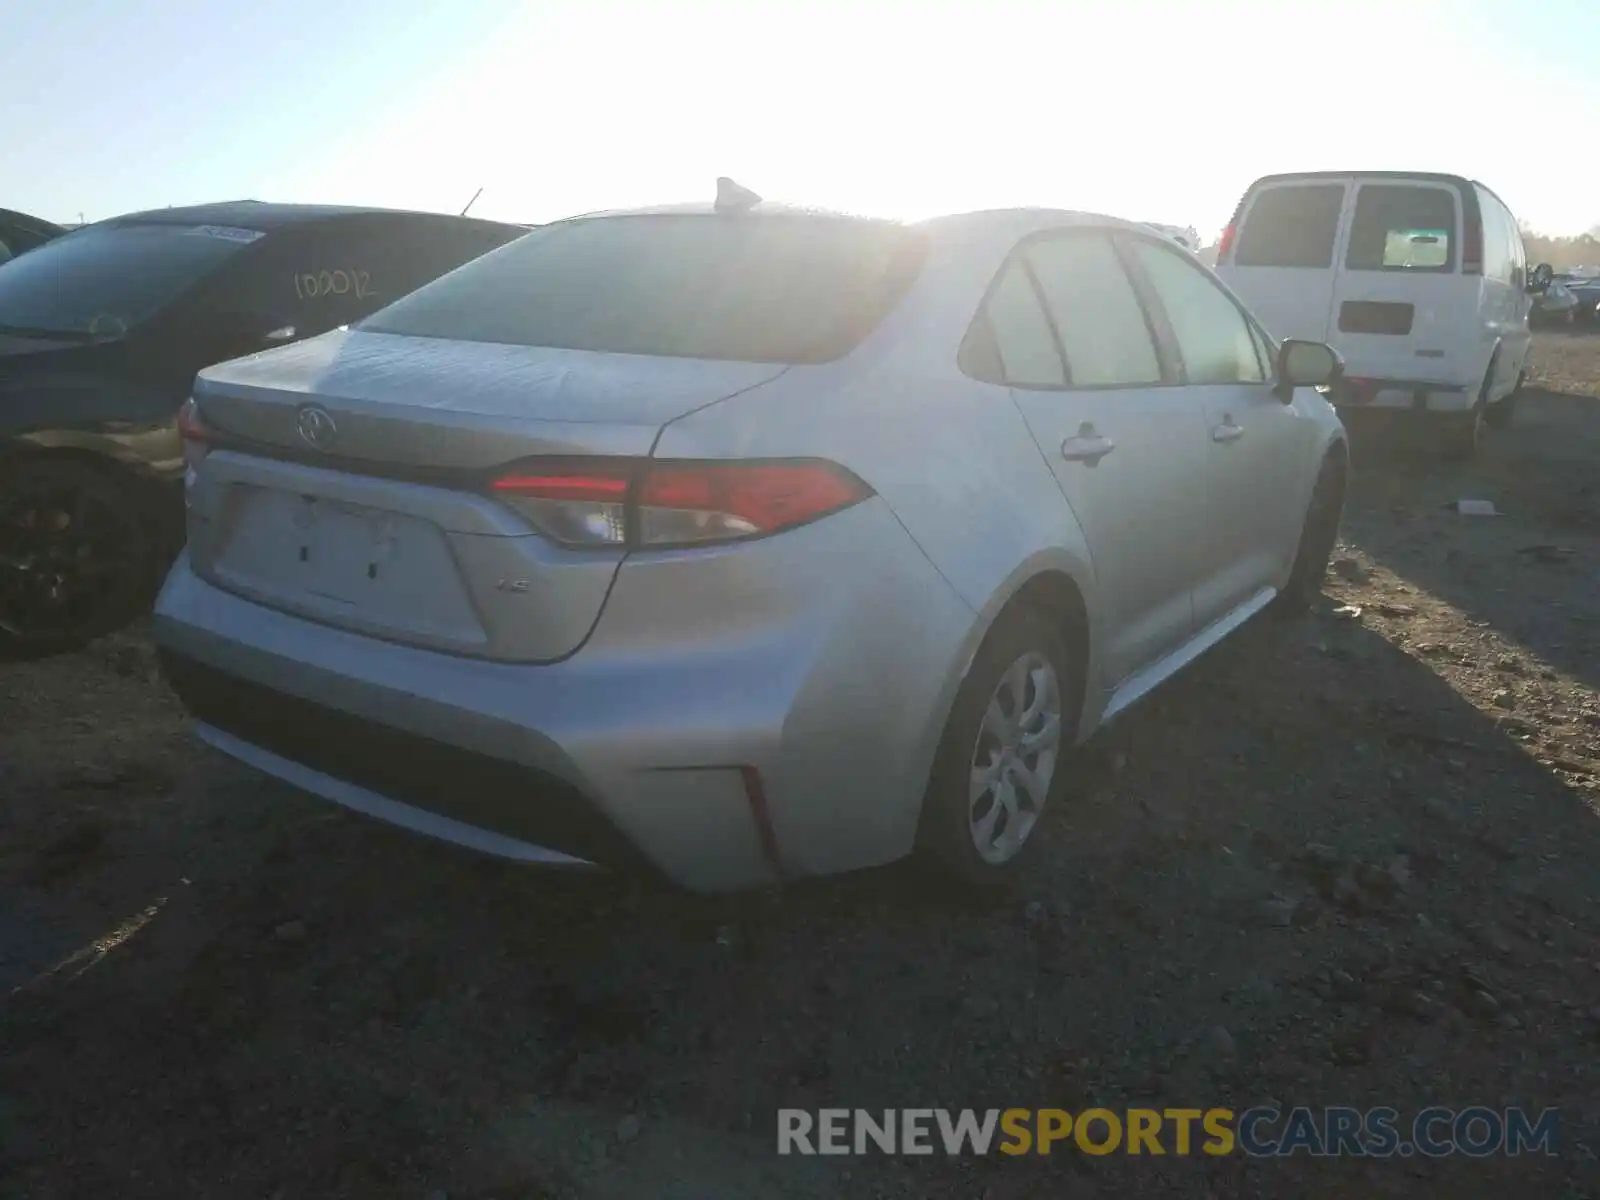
{"x":1291,"y":225}
{"x":1402,"y":227}
{"x":1216,"y":341}
{"x":1103,"y":330}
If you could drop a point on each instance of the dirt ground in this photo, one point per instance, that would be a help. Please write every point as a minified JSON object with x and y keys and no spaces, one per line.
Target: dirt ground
{"x":1347,"y":859}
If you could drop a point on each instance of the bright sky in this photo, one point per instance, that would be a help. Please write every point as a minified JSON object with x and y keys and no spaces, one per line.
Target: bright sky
{"x":1160,"y":110}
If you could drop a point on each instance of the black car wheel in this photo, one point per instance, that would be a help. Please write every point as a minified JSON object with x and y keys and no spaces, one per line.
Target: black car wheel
{"x":1499,"y":416}
{"x":77,"y":554}
{"x":1318,"y":536}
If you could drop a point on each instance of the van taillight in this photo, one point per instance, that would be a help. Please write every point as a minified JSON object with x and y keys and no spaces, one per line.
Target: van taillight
{"x":1472,"y":246}
{"x":1226,"y":244}
{"x":192,"y":430}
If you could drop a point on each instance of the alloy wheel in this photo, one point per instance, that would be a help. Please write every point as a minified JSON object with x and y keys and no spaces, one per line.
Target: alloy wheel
{"x":1014,"y":759}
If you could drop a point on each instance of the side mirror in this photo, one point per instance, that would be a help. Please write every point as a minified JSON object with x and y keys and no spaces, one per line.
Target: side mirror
{"x":1539,"y":281}
{"x":1307,"y":364}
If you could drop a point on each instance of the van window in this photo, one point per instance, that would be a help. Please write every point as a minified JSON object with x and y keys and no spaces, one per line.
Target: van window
{"x":1402,"y":227}
{"x":1499,"y":234}
{"x":1292,"y":226}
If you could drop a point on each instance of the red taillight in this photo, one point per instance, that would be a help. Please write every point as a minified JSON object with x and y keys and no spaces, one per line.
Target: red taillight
{"x":755,"y":497}
{"x":192,"y":430}
{"x":1359,"y":391}
{"x":676,"y":503}
{"x":564,"y":486}
{"x":1472,"y":246}
{"x":1226,"y":244}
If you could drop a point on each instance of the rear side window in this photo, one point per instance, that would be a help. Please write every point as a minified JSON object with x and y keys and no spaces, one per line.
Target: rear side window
{"x":753,"y":288}
{"x":1011,"y":340}
{"x":1402,"y":227}
{"x":1291,"y":226}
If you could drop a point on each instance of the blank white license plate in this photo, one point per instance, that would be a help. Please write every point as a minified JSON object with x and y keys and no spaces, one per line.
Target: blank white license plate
{"x":370,"y":566}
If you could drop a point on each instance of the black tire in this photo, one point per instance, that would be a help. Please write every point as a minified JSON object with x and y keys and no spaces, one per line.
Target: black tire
{"x":947,"y":843}
{"x":1461,"y":434}
{"x":1500,"y":416}
{"x":1319,"y":533}
{"x":78,"y":554}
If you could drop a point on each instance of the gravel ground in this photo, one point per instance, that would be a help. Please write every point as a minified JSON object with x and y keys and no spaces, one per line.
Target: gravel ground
{"x":1347,"y":859}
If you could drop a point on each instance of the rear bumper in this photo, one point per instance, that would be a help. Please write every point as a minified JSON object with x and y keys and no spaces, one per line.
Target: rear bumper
{"x":1418,"y":395}
{"x":738,"y":715}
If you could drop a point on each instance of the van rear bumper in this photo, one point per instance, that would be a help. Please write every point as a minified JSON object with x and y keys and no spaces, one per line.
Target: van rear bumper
{"x":1419,"y":395}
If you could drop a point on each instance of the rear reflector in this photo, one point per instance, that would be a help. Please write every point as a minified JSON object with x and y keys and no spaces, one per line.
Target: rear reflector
{"x":192,"y":430}
{"x":644,"y":503}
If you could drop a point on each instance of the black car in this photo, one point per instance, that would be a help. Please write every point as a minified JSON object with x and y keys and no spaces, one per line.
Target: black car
{"x":20,"y":233}
{"x":101,"y":333}
{"x":1587,"y":290}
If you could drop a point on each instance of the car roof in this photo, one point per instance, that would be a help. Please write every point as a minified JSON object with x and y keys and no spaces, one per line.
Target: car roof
{"x":27,"y":220}
{"x":266,"y":217}
{"x":1021,"y":221}
{"x":1434,"y":176}
{"x":996,"y":220}
{"x":1459,"y":181}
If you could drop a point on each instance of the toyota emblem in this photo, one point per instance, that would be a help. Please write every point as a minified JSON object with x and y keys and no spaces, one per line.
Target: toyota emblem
{"x":316,"y":426}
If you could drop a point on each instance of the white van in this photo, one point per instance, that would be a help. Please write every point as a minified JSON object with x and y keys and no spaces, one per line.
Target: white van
{"x":1419,"y":280}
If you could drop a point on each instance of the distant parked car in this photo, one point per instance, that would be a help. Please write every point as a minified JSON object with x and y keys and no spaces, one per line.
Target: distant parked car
{"x":1585,"y":291}
{"x":1184,"y":235}
{"x":1556,"y":305}
{"x":101,"y":332}
{"x":20,"y":233}
{"x":1420,"y":280}
{"x":742,"y":541}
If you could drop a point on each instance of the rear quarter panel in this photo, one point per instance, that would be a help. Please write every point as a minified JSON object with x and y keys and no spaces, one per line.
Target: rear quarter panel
{"x":951,"y":457}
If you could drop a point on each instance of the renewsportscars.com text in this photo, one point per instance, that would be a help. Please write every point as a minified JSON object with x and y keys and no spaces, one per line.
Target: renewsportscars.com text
{"x":1476,"y":1132}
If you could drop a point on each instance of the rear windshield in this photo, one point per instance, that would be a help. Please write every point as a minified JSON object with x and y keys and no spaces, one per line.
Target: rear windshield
{"x":786,"y":289}
{"x":104,"y":280}
{"x":1291,"y":226}
{"x":1402,"y":227}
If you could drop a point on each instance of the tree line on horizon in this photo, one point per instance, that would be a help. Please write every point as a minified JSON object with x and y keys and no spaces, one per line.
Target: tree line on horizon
{"x":1563,"y":253}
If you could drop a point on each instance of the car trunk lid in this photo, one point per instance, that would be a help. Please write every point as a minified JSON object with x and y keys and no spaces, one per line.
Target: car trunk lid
{"x":399,"y":401}
{"x":376,"y":516}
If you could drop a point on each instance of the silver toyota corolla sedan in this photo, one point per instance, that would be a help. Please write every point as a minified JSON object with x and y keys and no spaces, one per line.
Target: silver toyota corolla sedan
{"x":742,"y":542}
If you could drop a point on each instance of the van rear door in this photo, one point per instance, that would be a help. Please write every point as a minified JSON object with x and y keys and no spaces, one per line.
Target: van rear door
{"x":1401,"y":308}
{"x":1281,"y":258}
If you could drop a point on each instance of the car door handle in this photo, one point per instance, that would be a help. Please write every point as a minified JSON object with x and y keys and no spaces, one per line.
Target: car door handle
{"x":1087,"y":447}
{"x":1227,"y":431}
